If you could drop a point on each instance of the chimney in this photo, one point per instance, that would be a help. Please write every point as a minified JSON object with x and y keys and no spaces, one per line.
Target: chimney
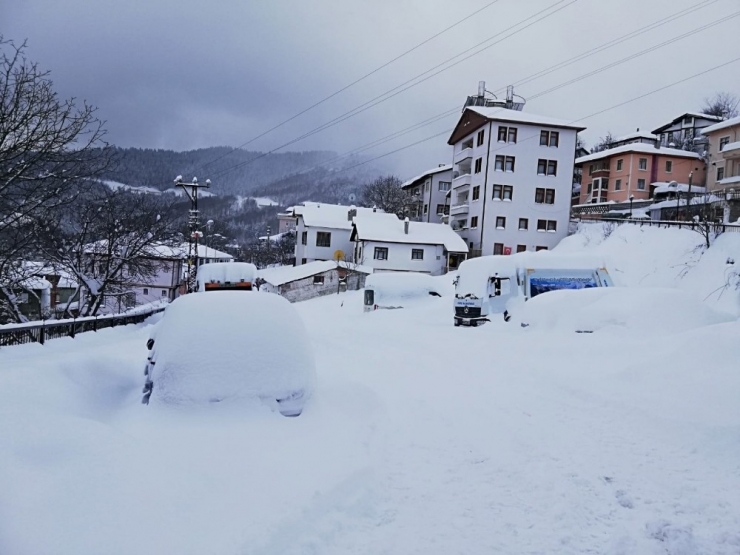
{"x":406,"y":226}
{"x":351,"y":213}
{"x":481,"y":88}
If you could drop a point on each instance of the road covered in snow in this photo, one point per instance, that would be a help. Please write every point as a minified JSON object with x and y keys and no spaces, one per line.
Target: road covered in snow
{"x":422,"y":438}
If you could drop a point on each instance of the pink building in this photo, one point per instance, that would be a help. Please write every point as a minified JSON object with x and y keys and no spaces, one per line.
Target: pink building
{"x":630,"y":170}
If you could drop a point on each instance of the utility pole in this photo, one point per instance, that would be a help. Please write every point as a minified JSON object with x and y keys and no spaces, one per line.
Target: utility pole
{"x":688,"y":197}
{"x":191,"y":190}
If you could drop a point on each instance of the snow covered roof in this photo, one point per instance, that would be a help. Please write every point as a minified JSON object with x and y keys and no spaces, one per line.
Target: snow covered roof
{"x":280,"y":275}
{"x":420,"y":233}
{"x":731,"y":146}
{"x":319,"y":214}
{"x":181,"y":251}
{"x":41,"y":269}
{"x":641,"y":148}
{"x":706,"y":199}
{"x":721,"y":125}
{"x":442,"y":168}
{"x":730,"y":180}
{"x":665,"y":187}
{"x":682,"y":116}
{"x":636,"y":135}
{"x":515,"y":116}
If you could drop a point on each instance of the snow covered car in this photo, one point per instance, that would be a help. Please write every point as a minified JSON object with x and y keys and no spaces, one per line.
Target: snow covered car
{"x":229,"y":347}
{"x":389,"y":290}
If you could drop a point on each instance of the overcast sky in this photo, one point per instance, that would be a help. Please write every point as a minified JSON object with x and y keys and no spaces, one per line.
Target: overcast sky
{"x":184,"y":74}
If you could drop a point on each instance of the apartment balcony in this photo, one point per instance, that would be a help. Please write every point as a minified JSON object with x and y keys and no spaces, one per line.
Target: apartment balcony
{"x":731,"y":151}
{"x":459,"y":225}
{"x":462,"y":179}
{"x":459,"y":209}
{"x":464,"y":154}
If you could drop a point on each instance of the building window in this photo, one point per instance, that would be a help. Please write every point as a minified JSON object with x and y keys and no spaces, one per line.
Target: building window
{"x":146,"y":291}
{"x":426,"y":208}
{"x":381,"y":253}
{"x":503,"y":192}
{"x":540,"y":248}
{"x":417,"y":254}
{"x":547,"y":225}
{"x":521,"y":248}
{"x":507,"y":134}
{"x":619,"y":165}
{"x":547,"y":167}
{"x":476,"y":192}
{"x":641,"y":184}
{"x":304,"y":238}
{"x":474,"y":222}
{"x":498,"y":248}
{"x":590,"y":187}
{"x":545,"y":196}
{"x":323,"y":239}
{"x":549,"y":138}
{"x":500,"y":222}
{"x":720,"y":174}
{"x":618,"y":185}
{"x":642,"y":164}
{"x":722,"y":142}
{"x":444,"y":186}
{"x":481,"y":135}
{"x":164,"y":292}
{"x":523,"y":224}
{"x":504,"y":163}
{"x":668,"y":166}
{"x":478,"y":165}
{"x":318,"y":280}
{"x":591,"y":169}
{"x":443,"y":209}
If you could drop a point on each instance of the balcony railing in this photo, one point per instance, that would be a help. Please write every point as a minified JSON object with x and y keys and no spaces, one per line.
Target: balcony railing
{"x":459,"y":225}
{"x":465,"y":154}
{"x":458,"y":209}
{"x":462,"y":179}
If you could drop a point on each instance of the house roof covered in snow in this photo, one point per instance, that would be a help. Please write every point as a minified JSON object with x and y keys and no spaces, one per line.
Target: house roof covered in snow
{"x":721,"y":125}
{"x":420,"y":233}
{"x":280,"y":275}
{"x":641,"y":148}
{"x":516,"y":116}
{"x":439,"y":169}
{"x":666,"y":187}
{"x":336,"y":216}
{"x":682,"y":116}
{"x":634,"y":136}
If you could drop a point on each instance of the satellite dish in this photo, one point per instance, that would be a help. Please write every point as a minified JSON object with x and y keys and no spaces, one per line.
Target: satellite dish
{"x":352,"y":197}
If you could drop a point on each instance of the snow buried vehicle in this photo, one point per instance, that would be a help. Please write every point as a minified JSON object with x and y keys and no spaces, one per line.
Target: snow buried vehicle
{"x":230,"y":347}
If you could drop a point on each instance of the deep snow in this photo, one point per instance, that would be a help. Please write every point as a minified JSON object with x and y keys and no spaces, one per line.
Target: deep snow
{"x":421,"y":438}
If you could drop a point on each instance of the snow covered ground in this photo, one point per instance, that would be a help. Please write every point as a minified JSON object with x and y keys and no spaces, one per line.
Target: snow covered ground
{"x":421,"y":437}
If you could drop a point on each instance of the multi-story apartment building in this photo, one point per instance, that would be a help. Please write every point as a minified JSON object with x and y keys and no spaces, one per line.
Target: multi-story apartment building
{"x":685,"y":131}
{"x":724,"y":154}
{"x":616,"y":174}
{"x":430,"y":194}
{"x":512,"y":179}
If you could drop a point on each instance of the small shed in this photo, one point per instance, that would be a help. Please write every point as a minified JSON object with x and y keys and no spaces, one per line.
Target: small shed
{"x":314,"y":279}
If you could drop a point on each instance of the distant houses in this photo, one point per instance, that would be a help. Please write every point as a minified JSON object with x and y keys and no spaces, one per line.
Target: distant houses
{"x":430,"y":194}
{"x":313,"y":279}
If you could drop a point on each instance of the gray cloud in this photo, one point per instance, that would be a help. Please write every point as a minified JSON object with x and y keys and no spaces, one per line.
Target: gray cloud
{"x":186,"y":74}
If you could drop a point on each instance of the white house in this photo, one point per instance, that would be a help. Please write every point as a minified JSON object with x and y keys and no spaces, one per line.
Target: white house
{"x":512,"y":179}
{"x":323,"y":230}
{"x":429,"y":192}
{"x":314,"y":279}
{"x":404,"y":246}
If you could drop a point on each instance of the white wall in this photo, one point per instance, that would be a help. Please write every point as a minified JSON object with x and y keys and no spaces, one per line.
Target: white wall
{"x":525,"y":180}
{"x":339,"y":241}
{"x":399,"y":257}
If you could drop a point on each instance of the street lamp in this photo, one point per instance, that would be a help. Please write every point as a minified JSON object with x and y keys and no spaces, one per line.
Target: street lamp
{"x":632,"y":197}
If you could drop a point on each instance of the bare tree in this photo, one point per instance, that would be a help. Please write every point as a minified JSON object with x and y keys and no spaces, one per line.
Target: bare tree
{"x":111,"y":241}
{"x":722,"y":104}
{"x":386,"y":194}
{"x":50,"y":149}
{"x":603,"y":143}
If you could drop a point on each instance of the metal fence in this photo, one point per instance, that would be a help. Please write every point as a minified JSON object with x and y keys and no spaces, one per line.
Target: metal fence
{"x":40,"y":332}
{"x":714,"y":227}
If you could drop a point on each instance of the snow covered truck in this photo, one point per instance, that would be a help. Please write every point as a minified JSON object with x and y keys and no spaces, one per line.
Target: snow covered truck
{"x":497,"y":284}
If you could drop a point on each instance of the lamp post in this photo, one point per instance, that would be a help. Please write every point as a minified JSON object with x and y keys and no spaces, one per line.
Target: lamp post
{"x":632,"y":197}
{"x":209,"y":225}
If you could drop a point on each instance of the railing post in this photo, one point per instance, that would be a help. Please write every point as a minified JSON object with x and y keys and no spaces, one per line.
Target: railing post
{"x":72,"y":334}
{"x":41,"y":334}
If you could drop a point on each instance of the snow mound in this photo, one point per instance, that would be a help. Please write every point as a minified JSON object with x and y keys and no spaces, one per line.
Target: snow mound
{"x":653,"y":311}
{"x":230,"y":345}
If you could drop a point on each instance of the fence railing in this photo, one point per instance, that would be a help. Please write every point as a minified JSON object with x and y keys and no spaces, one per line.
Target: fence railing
{"x":40,"y":332}
{"x":714,"y":227}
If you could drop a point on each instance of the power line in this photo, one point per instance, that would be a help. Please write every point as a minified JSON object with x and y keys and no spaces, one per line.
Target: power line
{"x":561,"y":85}
{"x":356,"y":81}
{"x":375,"y":101}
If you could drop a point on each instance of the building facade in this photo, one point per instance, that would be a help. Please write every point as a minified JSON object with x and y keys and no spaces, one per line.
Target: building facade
{"x":685,"y":132}
{"x":616,"y":174}
{"x":311,"y":280}
{"x":724,"y":155}
{"x":430,"y":194}
{"x":512,"y":181}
